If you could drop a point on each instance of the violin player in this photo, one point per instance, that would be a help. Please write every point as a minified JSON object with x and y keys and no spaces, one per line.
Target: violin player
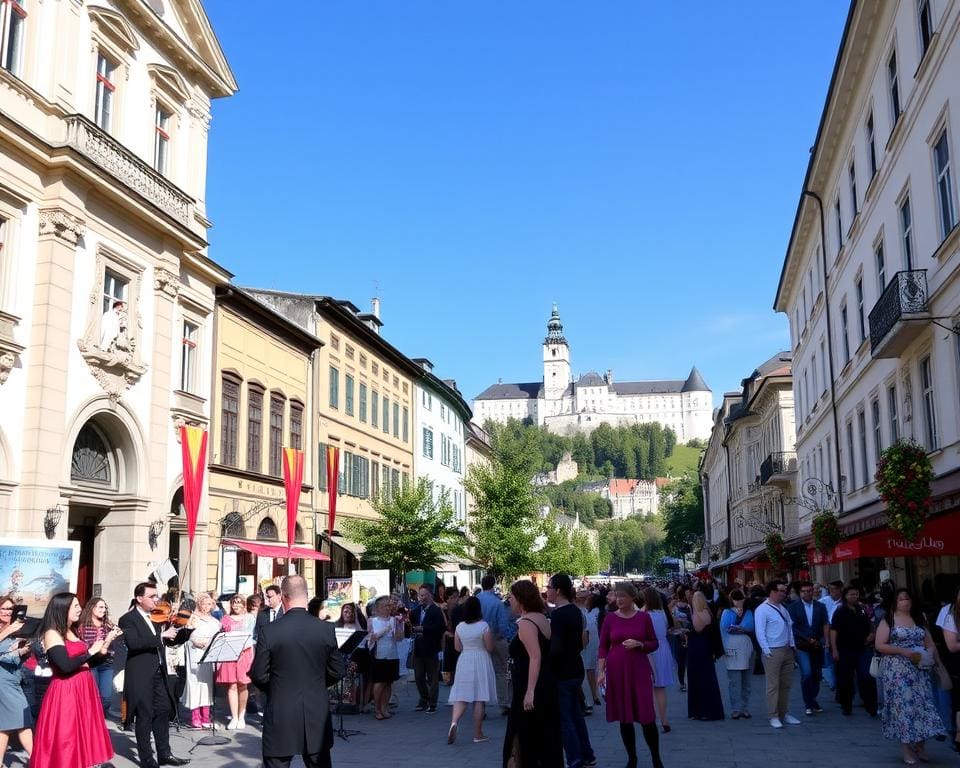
{"x":147,"y":632}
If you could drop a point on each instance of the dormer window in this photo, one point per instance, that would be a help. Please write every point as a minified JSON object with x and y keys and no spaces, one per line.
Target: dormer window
{"x":106,"y":88}
{"x":13,"y":19}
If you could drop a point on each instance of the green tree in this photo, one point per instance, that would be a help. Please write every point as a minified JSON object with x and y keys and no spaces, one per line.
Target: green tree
{"x":412,"y":531}
{"x":582,"y":453}
{"x":683,"y":516}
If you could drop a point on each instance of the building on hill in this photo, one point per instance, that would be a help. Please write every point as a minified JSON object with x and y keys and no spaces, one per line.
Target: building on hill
{"x":564,"y":405}
{"x":567,"y":469}
{"x":632,"y":497}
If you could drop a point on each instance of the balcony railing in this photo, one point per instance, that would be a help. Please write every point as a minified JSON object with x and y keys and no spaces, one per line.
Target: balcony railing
{"x":102,"y":149}
{"x":778,"y":465}
{"x":904,"y":299}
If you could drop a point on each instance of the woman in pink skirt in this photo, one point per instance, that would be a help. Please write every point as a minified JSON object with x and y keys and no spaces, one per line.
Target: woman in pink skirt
{"x":236,"y":674}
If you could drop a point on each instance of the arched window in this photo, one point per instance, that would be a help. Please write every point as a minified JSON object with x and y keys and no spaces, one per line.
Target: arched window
{"x":267,"y":530}
{"x":233,"y":527}
{"x":91,"y":458}
{"x":298,"y":535}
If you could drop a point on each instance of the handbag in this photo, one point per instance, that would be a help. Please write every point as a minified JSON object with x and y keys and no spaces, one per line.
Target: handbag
{"x":875,"y":665}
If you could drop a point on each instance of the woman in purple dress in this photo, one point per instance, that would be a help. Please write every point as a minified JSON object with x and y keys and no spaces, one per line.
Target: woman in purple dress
{"x":623,"y":668}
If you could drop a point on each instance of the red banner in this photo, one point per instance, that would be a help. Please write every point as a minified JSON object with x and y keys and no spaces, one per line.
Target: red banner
{"x":193,"y":444}
{"x":333,"y":481}
{"x":292,"y":482}
{"x":939,"y":536}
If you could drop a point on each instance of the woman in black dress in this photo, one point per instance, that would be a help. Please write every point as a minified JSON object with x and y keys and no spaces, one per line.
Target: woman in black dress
{"x":533,"y":734}
{"x":703,"y":696}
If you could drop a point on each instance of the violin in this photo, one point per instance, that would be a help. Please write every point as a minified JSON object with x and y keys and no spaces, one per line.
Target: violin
{"x":165,"y":612}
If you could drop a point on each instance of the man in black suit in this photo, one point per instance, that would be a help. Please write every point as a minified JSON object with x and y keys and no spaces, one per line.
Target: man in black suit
{"x":271,"y":611}
{"x":429,"y":626}
{"x":145,"y":676}
{"x":811,"y":633}
{"x":296,"y":660}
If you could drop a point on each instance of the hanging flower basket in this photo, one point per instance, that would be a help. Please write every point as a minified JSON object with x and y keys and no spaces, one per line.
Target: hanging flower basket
{"x":826,"y":532}
{"x":776,"y":552}
{"x":903,"y":480}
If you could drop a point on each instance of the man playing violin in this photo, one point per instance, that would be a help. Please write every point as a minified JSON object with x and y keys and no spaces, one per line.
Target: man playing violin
{"x":145,"y":675}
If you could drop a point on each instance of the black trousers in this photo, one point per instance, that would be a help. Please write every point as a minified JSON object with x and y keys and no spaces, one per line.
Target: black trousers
{"x":321,"y":760}
{"x":854,"y":665}
{"x":152,"y":715}
{"x":426,"y":672}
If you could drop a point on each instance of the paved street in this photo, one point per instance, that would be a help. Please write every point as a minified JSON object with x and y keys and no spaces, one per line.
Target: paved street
{"x":415,"y":738}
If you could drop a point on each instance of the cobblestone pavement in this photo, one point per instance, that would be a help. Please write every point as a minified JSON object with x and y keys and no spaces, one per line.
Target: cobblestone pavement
{"x":415,"y":739}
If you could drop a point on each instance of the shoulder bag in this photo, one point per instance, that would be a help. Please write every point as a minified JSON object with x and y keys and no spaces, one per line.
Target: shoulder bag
{"x":875,"y":665}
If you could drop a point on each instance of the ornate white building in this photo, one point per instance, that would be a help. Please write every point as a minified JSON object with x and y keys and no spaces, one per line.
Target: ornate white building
{"x":564,"y":405}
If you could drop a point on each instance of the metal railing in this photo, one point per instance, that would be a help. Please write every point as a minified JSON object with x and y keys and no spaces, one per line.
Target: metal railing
{"x":905,"y":294}
{"x":779,"y":463}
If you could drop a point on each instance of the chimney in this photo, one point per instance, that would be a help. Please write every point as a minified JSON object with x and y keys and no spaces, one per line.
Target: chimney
{"x":375,"y":306}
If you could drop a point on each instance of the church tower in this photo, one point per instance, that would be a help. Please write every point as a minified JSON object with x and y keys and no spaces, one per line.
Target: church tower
{"x":556,"y":363}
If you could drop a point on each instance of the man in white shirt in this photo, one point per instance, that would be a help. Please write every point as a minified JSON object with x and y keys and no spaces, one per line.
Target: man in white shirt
{"x":774,"y":630}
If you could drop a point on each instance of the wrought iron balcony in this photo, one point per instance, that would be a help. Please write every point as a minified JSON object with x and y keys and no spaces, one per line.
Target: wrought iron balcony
{"x":109,"y":154}
{"x":778,"y":468}
{"x":897,"y":317}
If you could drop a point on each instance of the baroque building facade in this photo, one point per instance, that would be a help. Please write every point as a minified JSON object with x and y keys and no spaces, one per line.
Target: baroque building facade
{"x":564,"y":405}
{"x":106,"y":291}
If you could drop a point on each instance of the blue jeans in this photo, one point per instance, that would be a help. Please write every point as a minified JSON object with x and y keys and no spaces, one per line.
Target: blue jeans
{"x":811,"y":668}
{"x":573,"y":728}
{"x":738,"y":681}
{"x":829,"y":671}
{"x":103,"y":677}
{"x":943,"y":701}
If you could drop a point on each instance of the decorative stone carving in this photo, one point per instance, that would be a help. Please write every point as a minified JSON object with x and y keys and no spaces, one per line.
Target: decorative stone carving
{"x":166,"y":282}
{"x":907,"y":397}
{"x":179,"y":421}
{"x":57,"y":222}
{"x":7,"y":361}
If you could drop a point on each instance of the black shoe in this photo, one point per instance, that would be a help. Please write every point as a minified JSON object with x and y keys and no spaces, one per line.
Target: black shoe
{"x":420,"y":707}
{"x":431,"y":710}
{"x":173,"y":760}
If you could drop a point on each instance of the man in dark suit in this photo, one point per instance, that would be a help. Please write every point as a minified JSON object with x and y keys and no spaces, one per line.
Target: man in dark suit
{"x":271,"y":611}
{"x":811,"y":633}
{"x":429,"y":626}
{"x":145,"y":677}
{"x":296,"y":660}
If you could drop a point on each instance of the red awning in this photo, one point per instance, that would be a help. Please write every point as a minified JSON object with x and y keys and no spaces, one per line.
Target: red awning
{"x":939,"y":536}
{"x":276,"y":550}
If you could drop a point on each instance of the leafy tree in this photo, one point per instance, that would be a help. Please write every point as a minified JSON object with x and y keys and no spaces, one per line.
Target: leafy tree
{"x":683,"y":516}
{"x":412,"y":531}
{"x":582,"y":452}
{"x":633,"y":544}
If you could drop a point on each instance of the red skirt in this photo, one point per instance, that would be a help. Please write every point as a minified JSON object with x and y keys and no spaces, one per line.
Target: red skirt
{"x":236,"y":671}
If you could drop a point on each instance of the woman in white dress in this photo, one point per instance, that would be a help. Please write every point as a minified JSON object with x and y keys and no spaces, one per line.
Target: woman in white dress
{"x":590,"y":606}
{"x":664,"y":667}
{"x":386,"y":630}
{"x":198,"y":690}
{"x":474,"y":680}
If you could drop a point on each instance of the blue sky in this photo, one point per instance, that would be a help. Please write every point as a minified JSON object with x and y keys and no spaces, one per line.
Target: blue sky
{"x":639,"y":163}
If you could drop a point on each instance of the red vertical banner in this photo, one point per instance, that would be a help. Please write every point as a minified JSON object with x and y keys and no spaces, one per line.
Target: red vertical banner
{"x":193,"y":444}
{"x":333,"y":485}
{"x":292,"y":482}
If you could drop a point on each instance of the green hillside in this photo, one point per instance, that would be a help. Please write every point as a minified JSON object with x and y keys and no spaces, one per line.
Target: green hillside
{"x":683,"y":460}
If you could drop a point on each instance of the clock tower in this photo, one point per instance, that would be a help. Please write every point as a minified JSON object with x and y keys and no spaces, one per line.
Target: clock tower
{"x":556,"y":363}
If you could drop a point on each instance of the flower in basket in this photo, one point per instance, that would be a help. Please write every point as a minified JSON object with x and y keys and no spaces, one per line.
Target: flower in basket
{"x":903,"y":480}
{"x":826,"y":532}
{"x":776,"y":552}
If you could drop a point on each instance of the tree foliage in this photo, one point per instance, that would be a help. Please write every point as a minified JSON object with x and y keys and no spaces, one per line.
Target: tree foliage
{"x":569,"y":499}
{"x":683,"y":516}
{"x":632,"y":545}
{"x":412,"y":530}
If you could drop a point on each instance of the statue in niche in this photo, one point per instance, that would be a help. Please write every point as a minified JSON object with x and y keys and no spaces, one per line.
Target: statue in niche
{"x":907,"y":396}
{"x":113,"y":329}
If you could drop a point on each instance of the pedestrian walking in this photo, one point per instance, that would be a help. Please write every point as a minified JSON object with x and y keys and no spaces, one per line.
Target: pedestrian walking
{"x":703,"y":697}
{"x":680,"y":608}
{"x":851,"y":641}
{"x":386,"y":632}
{"x":736,"y":631}
{"x":591,"y":606}
{"x":775,"y":635}
{"x":811,"y":636}
{"x":949,"y":620}
{"x":428,"y":626}
{"x":497,"y":616}
{"x":662,"y":661}
{"x":474,"y":680}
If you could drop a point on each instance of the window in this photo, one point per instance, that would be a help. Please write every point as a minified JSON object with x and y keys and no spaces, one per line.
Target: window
{"x":334,"y":341}
{"x":845,"y":330}
{"x":929,"y":406}
{"x":851,"y":459}
{"x":813,"y":377}
{"x":374,"y":408}
{"x":363,"y":402}
{"x":13,"y":20}
{"x":406,"y":424}
{"x":862,"y":427}
{"x":114,"y":290}
{"x":839,"y":221}
{"x":296,"y":425}
{"x":348,"y":394}
{"x":893,"y":86}
{"x":925,"y":24}
{"x":386,"y":414}
{"x":322,"y":480}
{"x":396,"y":420}
{"x":871,"y":146}
{"x":880,"y":261}
{"x":852,"y":177}
{"x":276,"y":435}
{"x":385,"y":482}
{"x":428,"y":442}
{"x":375,"y":479}
{"x":356,"y":475}
{"x":892,"y":415}
{"x":946,"y":205}
{"x":395,"y":479}
{"x":427,"y":401}
{"x":334,"y":387}
{"x":188,"y":356}
{"x":823,"y":364}
{"x":229,"y":412}
{"x":103,"y":106}
{"x":861,"y":318}
{"x":877,"y":429}
{"x":254,"y":428}
{"x":161,"y":139}
{"x":906,"y":232}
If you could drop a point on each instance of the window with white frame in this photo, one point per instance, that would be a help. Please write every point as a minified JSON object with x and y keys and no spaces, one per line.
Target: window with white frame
{"x":13,"y":23}
{"x":813,"y":377}
{"x":851,"y":456}
{"x":861,"y":317}
{"x":823,"y":365}
{"x":852,"y":178}
{"x":838,"y":215}
{"x":845,"y":331}
{"x":188,"y":356}
{"x":161,"y":139}
{"x":929,"y":403}
{"x":871,"y":146}
{"x":893,"y":413}
{"x":881,"y":265}
{"x":428,"y":442}
{"x":906,"y":232}
{"x":877,"y":428}
{"x":864,"y":458}
{"x":924,"y":25}
{"x":105,"y":92}
{"x":893,"y":88}
{"x":945,"y":201}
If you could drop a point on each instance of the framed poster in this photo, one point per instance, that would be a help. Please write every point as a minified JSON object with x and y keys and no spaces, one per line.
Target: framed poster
{"x":33,"y":570}
{"x":339,"y":591}
{"x":369,"y":585}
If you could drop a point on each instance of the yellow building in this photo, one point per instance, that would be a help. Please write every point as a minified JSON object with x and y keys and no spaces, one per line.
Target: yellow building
{"x":263,"y":400}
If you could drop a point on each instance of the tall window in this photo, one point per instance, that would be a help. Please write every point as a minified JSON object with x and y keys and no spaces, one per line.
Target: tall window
{"x":363,"y":402}
{"x":881,"y":262}
{"x":13,"y":21}
{"x":906,"y":232}
{"x":114,"y":289}
{"x":893,"y":86}
{"x":254,"y":428}
{"x":375,"y":479}
{"x":188,"y":356}
{"x":852,"y":178}
{"x":106,"y":87}
{"x":813,"y":377}
{"x":871,"y":146}
{"x":823,"y":364}
{"x":945,"y":199}
{"x":925,"y":24}
{"x":864,"y":462}
{"x":374,"y":408}
{"x":348,"y":395}
{"x":229,"y":412}
{"x":877,"y":429}
{"x":276,"y":435}
{"x":845,"y":330}
{"x":334,"y":387}
{"x":851,"y":457}
{"x":929,"y":406}
{"x":296,"y":425}
{"x":839,"y":221}
{"x":428,"y":442}
{"x":861,"y":317}
{"x":396,"y":420}
{"x":892,"y":413}
{"x":386,"y":414}
{"x":406,"y":424}
{"x":161,"y":139}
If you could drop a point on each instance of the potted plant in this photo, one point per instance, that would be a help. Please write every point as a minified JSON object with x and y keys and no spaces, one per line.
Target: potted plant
{"x":903,"y":480}
{"x":776,"y":552}
{"x":826,"y":532}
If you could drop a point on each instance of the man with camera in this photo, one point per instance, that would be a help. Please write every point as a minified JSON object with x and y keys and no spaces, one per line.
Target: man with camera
{"x":811,"y":634}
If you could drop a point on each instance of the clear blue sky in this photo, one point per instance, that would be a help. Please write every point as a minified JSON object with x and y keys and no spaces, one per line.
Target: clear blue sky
{"x":639,"y":163}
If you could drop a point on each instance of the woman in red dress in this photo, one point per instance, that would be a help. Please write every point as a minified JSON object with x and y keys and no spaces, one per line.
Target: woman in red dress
{"x":626,"y":638}
{"x":71,"y":731}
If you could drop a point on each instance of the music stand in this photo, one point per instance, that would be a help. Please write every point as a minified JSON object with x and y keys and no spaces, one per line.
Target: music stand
{"x":223,"y":647}
{"x":348,"y":641}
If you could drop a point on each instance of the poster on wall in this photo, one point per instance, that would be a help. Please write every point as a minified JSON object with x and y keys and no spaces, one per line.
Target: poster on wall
{"x":339,"y":591}
{"x":369,"y":585}
{"x":33,"y":570}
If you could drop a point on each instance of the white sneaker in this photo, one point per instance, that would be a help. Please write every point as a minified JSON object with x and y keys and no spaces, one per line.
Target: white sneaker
{"x":774,"y":723}
{"x":790,"y":720}
{"x":242,"y":723}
